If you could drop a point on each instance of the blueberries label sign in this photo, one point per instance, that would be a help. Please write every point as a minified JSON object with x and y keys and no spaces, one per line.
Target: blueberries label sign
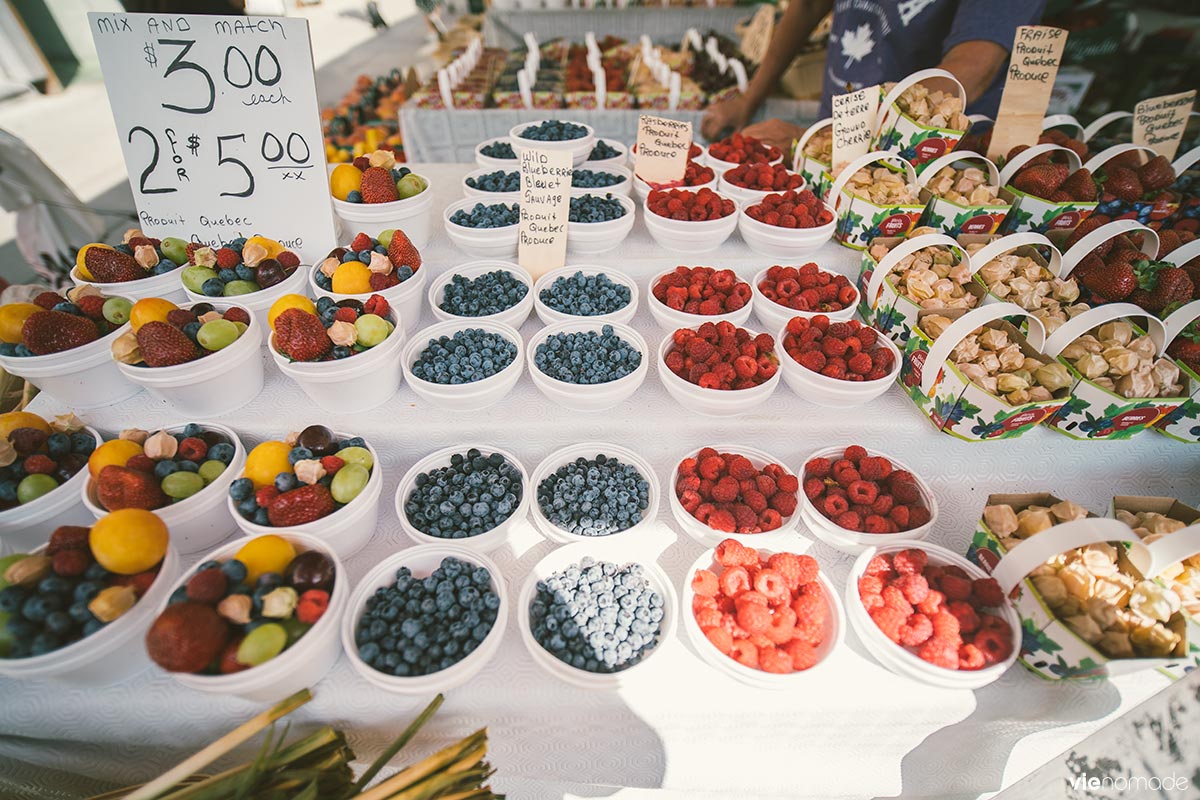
{"x":219,"y":125}
{"x":545,"y":208}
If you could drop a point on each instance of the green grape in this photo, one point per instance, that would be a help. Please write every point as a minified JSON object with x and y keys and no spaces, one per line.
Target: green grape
{"x":348,"y":482}
{"x":175,"y":249}
{"x":194,"y":277}
{"x":217,"y":334}
{"x":34,"y":486}
{"x":410,"y":186}
{"x":241,"y":326}
{"x":210,"y":470}
{"x":372,"y":329}
{"x":180,"y":485}
{"x":294,"y":629}
{"x":356,"y":455}
{"x":116,"y":310}
{"x":6,"y":638}
{"x":262,"y":644}
{"x":385,"y":238}
{"x":234,"y":288}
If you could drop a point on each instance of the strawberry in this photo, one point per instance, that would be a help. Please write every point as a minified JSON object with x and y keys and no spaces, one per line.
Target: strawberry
{"x":92,"y":306}
{"x":122,"y":487}
{"x":1040,"y":180}
{"x":1186,"y":348}
{"x":1112,"y":282}
{"x":1168,"y":241}
{"x":164,"y":345}
{"x":1123,"y":184}
{"x":1087,"y":265}
{"x":378,"y":186}
{"x":48,"y":332}
{"x":228,"y":258}
{"x":48,"y":300}
{"x":299,"y":506}
{"x":1156,"y":174}
{"x":362,"y":242}
{"x":300,"y":336}
{"x":111,"y":266}
{"x":1080,"y":187}
{"x":402,"y":253}
{"x":1084,"y":228}
{"x":1167,"y":285}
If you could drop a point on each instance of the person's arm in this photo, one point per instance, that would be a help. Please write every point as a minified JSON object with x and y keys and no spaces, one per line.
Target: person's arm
{"x":791,"y":34}
{"x":975,"y":63}
{"x":976,"y":48}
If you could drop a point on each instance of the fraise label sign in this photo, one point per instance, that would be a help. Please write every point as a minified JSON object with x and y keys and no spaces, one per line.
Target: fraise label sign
{"x":545,"y":208}
{"x":219,"y":126}
{"x":1036,"y":55}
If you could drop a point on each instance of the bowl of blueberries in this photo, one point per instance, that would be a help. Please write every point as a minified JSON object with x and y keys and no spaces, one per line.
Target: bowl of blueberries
{"x":471,"y":495}
{"x":555,"y":134}
{"x":586,"y":365}
{"x":497,"y":153}
{"x":598,"y":223}
{"x":483,"y":291}
{"x":595,"y":293}
{"x":607,"y":153}
{"x":589,"y":179}
{"x":592,"y":617}
{"x":464,"y":365}
{"x":426,"y":619}
{"x":594,"y":490}
{"x":493,"y":184}
{"x":484,"y":230}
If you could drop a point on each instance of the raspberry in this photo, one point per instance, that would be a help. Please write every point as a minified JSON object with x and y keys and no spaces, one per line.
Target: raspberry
{"x":332,"y":464}
{"x":968,"y":620}
{"x":39,"y":464}
{"x":992,"y":621}
{"x":932,"y":602}
{"x":288,"y":260}
{"x":945,"y":625}
{"x":862,"y":491}
{"x":141,"y":462}
{"x":722,"y":520}
{"x":809,"y":607}
{"x":918,"y":516}
{"x":818,"y":467}
{"x":741,"y":468}
{"x":880,"y":565}
{"x":771,"y":659}
{"x":905,"y":492}
{"x":783,"y":626}
{"x":890,"y":621}
{"x":734,"y":580}
{"x":312,"y":606}
{"x":227,"y":258}
{"x":712,"y":467}
{"x":802,"y":653}
{"x":732,"y":553}
{"x":869,"y":585}
{"x":192,"y":449}
{"x":721,"y":639}
{"x":940,"y":652}
{"x":854,"y":453}
{"x":788,"y":482}
{"x":207,"y":586}
{"x":987,"y":592}
{"x":955,"y":588}
{"x":899,"y":515}
{"x":913,"y":587}
{"x":71,"y":563}
{"x":850,"y":520}
{"x":893,"y":597}
{"x":970,"y":657}
{"x":813,"y":488}
{"x":700,"y":602}
{"x":744,"y":653}
{"x":773,"y":586}
{"x":345,"y":315}
{"x":910,"y":562}
{"x":708,"y":618}
{"x":751,"y":597}
{"x":876,"y":524}
{"x":788,"y":566}
{"x":704,"y":583}
{"x":265,"y":495}
{"x":874,"y":469}
{"x":994,"y":643}
{"x":362,"y":242}
{"x":916,"y":630}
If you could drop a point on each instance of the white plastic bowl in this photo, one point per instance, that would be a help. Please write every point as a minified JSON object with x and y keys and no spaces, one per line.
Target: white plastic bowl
{"x":592,"y":238}
{"x":825,"y":391}
{"x":579,"y":148}
{"x":671,"y":320}
{"x":565,"y":455}
{"x":481,"y":242}
{"x":713,"y":402}
{"x":304,"y":663}
{"x":514,"y":316}
{"x":835,"y":633}
{"x":346,"y":530}
{"x":685,"y":236}
{"x":422,"y":561}
{"x":595,"y":396}
{"x":82,"y":378}
{"x":463,"y":396}
{"x":549,"y":316}
{"x":782,"y":537}
{"x":110,"y":655}
{"x":900,"y":660}
{"x":212,"y":386}
{"x":260,"y":302}
{"x":751,"y":196}
{"x":855,"y":542}
{"x":488,"y":540}
{"x":624,"y":187}
{"x":620,"y":554}
{"x":605,"y":163}
{"x":491,"y":163}
{"x":643,"y":189}
{"x":351,"y":385}
{"x":413,"y":215}
{"x":167,"y":286}
{"x":485,"y":196}
{"x":786,"y":243}
{"x":203,"y":519}
{"x":405,"y":298}
{"x":28,"y":525}
{"x":774,"y":315}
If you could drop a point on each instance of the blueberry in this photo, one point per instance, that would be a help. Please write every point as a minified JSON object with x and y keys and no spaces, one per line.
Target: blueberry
{"x":235,"y":571}
{"x":241,"y":489}
{"x":188,"y":466}
{"x":354,"y":196}
{"x":244,"y":273}
{"x":486,"y":294}
{"x":164,"y":468}
{"x":498,"y":215}
{"x":299,"y":454}
{"x":22,"y":351}
{"x":498,"y":181}
{"x":222,"y":451}
{"x":593,"y":208}
{"x":499,"y":149}
{"x":8,"y":492}
{"x":249,"y":508}
{"x":179,"y":595}
{"x":602,"y":151}
{"x":163,"y":267}
{"x":324,"y":304}
{"x":95,"y":573}
{"x":12,"y":598}
{"x":213,"y":287}
{"x":553,"y":130}
{"x":286,"y":481}
{"x":59,"y":623}
{"x":86,"y":590}
{"x":67,"y":308}
{"x":8,"y":349}
{"x":587,"y":357}
{"x":469,"y":355}
{"x":43,"y":643}
{"x":58,"y":445}
{"x":54,"y":585}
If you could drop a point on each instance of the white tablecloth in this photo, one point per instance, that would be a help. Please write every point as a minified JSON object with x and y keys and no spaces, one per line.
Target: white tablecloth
{"x":853,"y":731}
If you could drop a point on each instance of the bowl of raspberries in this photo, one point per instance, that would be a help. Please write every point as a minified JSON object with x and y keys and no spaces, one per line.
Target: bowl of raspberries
{"x":728,"y":491}
{"x":687,"y":296}
{"x":765,"y":618}
{"x":695,"y":176}
{"x":690,"y":221}
{"x":753,"y":182}
{"x":737,"y":149}
{"x":927,"y":613}
{"x":781,"y":293}
{"x":719,"y":369}
{"x":852,"y":499}
{"x":837,"y":364}
{"x":786,"y":224}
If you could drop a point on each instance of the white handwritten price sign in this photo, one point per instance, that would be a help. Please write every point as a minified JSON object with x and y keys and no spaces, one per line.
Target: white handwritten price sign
{"x":1036,"y":55}
{"x":662,"y":149}
{"x":853,"y":124}
{"x":1159,"y":122}
{"x":219,"y":125}
{"x":545,"y":208}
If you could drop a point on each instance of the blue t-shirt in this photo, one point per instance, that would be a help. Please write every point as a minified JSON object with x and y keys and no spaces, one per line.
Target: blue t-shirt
{"x":873,"y":41}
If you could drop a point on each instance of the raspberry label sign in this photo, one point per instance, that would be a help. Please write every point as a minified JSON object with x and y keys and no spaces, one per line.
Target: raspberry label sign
{"x":662,"y":149}
{"x":219,"y":126}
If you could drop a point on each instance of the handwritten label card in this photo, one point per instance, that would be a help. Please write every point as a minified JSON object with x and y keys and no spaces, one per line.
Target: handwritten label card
{"x":853,"y":124}
{"x":1036,"y":55}
{"x":1159,"y":122}
{"x":219,"y":126}
{"x":662,"y":149}
{"x":545,"y":205}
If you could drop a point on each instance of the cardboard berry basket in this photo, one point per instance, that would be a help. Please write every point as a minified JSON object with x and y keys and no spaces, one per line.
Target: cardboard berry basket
{"x":858,"y":219}
{"x":1101,"y":122}
{"x":1073,"y":255}
{"x":817,"y":174}
{"x":1049,"y":647}
{"x":881,"y":304}
{"x":1032,"y":213}
{"x":954,"y":404}
{"x":1073,"y":126}
{"x":1183,"y":422}
{"x":1187,"y":215}
{"x":1029,"y":244}
{"x":897,"y":132}
{"x":1163,"y":205}
{"x":955,"y":218}
{"x":1094,"y":413}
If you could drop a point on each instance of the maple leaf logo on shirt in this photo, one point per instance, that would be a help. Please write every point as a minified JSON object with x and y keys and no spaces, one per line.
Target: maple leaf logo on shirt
{"x":857,"y":44}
